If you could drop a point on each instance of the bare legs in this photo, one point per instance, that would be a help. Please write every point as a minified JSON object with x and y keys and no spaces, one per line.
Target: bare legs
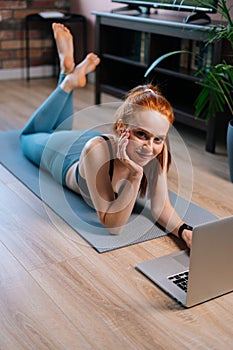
{"x":57,"y":110}
{"x":75,"y":76}
{"x":65,"y":48}
{"x":78,"y":77}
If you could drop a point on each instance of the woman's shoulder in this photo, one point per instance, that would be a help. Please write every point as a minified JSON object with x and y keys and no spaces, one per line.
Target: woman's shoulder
{"x":101,"y":142}
{"x":103,"y":146}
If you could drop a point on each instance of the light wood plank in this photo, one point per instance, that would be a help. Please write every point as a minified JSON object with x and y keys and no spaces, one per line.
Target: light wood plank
{"x":29,"y":319}
{"x":33,"y":239}
{"x":131,"y":308}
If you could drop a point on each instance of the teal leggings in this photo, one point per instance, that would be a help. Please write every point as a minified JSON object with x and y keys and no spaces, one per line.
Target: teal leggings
{"x":48,"y":140}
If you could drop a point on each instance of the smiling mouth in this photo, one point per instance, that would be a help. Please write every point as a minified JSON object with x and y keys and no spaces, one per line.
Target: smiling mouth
{"x":145,"y":155}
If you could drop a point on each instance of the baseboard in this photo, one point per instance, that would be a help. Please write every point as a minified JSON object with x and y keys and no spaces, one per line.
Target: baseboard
{"x":35,"y":72}
{"x":20,"y":73}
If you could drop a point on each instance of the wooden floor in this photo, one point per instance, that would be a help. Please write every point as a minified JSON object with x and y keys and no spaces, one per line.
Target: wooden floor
{"x":56,"y":292}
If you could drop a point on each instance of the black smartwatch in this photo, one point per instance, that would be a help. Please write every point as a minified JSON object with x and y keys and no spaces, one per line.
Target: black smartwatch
{"x":182,"y":228}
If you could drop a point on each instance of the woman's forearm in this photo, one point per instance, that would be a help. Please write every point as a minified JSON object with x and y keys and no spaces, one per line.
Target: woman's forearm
{"x":119,"y":211}
{"x":168,"y":218}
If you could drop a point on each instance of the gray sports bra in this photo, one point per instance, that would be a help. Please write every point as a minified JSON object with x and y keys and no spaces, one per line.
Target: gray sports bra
{"x":82,"y":182}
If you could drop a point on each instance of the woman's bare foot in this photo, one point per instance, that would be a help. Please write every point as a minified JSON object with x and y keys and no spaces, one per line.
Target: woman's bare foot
{"x":65,"y":47}
{"x":78,"y":77}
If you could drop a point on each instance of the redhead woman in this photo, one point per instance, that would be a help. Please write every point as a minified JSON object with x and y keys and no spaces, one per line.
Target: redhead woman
{"x":108,"y":170}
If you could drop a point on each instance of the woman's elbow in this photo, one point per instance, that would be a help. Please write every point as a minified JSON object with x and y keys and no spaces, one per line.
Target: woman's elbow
{"x":112,"y":227}
{"x":115,"y":231}
{"x":114,"y":223}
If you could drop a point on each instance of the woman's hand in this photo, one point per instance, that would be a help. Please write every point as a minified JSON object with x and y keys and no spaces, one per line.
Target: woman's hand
{"x":187,"y":236}
{"x":122,"y":155}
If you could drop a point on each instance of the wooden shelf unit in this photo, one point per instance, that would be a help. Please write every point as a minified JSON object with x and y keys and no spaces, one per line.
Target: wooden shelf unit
{"x":128,"y":44}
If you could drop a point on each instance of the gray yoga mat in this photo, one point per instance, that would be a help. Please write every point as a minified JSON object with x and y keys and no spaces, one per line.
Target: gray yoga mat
{"x":83,"y":219}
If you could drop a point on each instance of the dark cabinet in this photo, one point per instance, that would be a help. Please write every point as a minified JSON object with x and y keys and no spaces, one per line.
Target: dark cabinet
{"x":128,"y":44}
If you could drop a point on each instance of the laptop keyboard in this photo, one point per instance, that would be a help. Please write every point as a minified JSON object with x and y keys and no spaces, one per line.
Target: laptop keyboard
{"x":181,"y":280}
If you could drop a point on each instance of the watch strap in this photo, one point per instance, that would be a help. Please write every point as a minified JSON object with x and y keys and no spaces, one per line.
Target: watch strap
{"x":182,"y":228}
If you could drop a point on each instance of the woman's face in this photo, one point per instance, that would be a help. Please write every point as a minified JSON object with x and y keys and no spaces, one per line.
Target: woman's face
{"x":147,"y":135}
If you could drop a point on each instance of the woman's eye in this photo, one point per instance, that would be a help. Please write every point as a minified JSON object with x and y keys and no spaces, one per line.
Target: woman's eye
{"x":158,"y":139}
{"x":140,"y":134}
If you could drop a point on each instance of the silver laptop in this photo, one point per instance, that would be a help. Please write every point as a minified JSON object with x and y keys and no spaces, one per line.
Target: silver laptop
{"x":204,"y":273}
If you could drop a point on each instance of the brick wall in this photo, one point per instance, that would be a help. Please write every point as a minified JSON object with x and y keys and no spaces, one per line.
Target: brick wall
{"x":12,"y":33}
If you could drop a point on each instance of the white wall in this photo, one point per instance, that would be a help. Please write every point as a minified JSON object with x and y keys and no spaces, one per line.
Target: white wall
{"x":84,"y":7}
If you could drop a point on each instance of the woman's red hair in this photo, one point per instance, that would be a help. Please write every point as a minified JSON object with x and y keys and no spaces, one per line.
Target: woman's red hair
{"x":150,"y":98}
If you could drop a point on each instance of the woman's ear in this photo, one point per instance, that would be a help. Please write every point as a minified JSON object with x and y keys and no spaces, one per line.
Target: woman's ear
{"x":120,"y":127}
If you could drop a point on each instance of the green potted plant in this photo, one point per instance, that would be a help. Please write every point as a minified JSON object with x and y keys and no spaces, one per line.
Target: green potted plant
{"x":217,"y":83}
{"x":217,"y":80}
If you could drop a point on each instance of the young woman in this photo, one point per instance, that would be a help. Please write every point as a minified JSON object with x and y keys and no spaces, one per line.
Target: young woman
{"x":109,"y":171}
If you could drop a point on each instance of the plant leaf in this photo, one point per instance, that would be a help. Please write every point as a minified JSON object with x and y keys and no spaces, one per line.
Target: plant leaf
{"x":161,"y":58}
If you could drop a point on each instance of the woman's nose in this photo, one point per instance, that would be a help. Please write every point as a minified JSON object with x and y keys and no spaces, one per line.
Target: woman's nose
{"x":149,"y":144}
